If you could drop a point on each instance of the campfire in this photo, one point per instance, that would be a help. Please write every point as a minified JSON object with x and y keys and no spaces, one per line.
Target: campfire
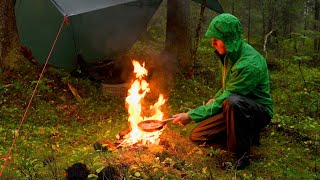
{"x":136,"y":94}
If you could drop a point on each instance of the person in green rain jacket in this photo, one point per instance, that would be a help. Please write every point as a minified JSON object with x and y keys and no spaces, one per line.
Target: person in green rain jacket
{"x":243,"y":106}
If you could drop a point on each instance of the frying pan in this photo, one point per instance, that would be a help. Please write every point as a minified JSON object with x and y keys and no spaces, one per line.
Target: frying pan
{"x":153,"y":125}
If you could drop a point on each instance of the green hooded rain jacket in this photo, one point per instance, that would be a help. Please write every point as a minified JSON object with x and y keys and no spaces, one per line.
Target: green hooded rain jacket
{"x":245,"y":70}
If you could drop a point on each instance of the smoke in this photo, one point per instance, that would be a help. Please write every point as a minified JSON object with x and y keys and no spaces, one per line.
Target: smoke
{"x":162,"y":70}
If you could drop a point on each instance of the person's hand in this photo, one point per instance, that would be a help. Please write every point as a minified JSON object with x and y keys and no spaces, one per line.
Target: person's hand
{"x":210,"y":100}
{"x":182,"y":119}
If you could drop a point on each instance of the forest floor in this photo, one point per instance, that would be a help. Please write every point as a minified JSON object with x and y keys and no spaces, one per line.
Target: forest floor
{"x":60,"y":130}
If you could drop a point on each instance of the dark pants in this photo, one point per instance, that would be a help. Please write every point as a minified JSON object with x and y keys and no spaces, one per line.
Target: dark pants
{"x":239,"y":123}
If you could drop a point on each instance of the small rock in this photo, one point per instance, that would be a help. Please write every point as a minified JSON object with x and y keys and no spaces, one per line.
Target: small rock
{"x":183,"y":175}
{"x":98,"y":147}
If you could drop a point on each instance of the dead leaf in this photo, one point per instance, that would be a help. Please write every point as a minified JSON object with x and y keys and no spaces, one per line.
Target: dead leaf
{"x":137,"y":174}
{"x":74,"y":92}
{"x":195,"y":150}
{"x":118,"y":136}
{"x":204,"y":170}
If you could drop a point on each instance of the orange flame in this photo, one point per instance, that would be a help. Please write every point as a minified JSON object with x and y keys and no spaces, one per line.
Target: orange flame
{"x":139,"y":88}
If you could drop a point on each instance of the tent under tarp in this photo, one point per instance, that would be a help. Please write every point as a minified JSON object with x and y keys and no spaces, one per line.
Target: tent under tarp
{"x":98,"y":29}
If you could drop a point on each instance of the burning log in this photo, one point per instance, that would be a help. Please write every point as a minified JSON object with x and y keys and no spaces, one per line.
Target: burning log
{"x":105,"y":146}
{"x":125,"y":132}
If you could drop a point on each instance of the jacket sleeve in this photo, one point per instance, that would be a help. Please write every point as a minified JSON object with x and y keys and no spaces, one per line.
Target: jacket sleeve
{"x":218,"y":93}
{"x":243,"y":79}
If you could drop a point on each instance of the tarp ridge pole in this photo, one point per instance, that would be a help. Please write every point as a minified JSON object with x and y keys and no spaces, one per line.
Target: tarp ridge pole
{"x":6,"y":157}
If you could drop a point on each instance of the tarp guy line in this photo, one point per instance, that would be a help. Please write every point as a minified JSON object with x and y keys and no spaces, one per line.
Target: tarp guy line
{"x":34,"y":91}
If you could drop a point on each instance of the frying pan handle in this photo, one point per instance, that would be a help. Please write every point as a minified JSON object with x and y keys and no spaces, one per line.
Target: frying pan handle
{"x":169,"y":119}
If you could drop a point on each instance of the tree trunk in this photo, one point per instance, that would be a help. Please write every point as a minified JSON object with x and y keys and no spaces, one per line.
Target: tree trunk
{"x":232,"y":11}
{"x":196,"y":38}
{"x":249,"y":19}
{"x":3,"y":17}
{"x":7,"y":27}
{"x":306,"y":12}
{"x":317,"y":24}
{"x":178,"y":34}
{"x":271,"y":16}
{"x":263,"y":18}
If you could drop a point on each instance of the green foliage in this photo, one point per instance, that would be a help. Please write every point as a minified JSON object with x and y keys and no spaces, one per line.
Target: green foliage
{"x":17,"y":85}
{"x":303,"y":124}
{"x":43,"y":85}
{"x":302,"y":58}
{"x":3,"y":90}
{"x":291,"y":95}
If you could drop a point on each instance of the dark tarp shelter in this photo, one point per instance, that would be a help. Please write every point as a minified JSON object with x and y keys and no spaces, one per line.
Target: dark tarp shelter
{"x":212,"y":4}
{"x":99,"y":29}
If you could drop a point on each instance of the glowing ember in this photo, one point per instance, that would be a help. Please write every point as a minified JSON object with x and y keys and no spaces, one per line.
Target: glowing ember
{"x":139,"y":88}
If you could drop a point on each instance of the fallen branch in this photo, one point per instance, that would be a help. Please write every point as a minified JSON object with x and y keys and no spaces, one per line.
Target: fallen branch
{"x":265,"y":43}
{"x":305,"y":84}
{"x":296,"y":135}
{"x":75,"y":92}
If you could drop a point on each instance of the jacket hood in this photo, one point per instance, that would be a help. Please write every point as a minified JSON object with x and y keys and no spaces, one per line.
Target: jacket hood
{"x":227,"y":28}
